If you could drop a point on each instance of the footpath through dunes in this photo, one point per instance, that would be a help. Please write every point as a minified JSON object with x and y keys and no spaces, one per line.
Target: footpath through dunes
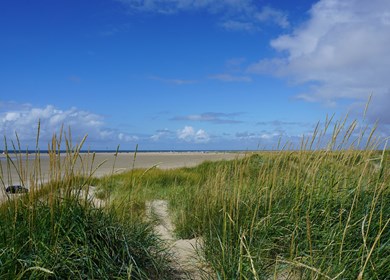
{"x":186,"y":260}
{"x":101,"y":163}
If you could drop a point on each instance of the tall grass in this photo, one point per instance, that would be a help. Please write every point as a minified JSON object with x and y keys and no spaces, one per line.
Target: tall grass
{"x":56,"y":232}
{"x":307,"y":214}
{"x":318,"y":212}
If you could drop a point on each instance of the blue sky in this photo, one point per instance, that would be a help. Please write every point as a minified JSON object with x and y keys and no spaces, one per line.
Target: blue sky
{"x":190,"y":74}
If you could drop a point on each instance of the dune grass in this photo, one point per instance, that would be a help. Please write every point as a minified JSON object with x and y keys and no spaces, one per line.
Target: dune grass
{"x":307,"y":214}
{"x":319,"y":212}
{"x":56,"y":232}
{"x":280,"y":215}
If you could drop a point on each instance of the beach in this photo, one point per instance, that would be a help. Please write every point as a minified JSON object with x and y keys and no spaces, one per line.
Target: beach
{"x":101,"y":164}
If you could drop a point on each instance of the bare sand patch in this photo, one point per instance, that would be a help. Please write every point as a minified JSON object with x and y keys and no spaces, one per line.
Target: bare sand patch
{"x":186,"y":260}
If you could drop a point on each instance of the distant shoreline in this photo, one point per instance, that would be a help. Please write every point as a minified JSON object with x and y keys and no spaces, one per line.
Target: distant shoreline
{"x":2,"y":152}
{"x":107,"y":163}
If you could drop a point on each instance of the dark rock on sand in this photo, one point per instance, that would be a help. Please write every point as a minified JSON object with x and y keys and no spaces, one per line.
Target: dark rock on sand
{"x":16,"y":189}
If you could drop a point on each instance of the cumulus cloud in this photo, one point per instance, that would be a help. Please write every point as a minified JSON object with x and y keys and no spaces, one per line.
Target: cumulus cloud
{"x":213,"y":117}
{"x":340,"y":52}
{"x":23,"y":119}
{"x":189,"y":134}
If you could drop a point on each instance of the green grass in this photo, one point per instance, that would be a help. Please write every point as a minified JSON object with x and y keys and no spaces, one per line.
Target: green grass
{"x":302,"y":214}
{"x":56,"y":232}
{"x":311,"y":213}
{"x":73,"y":240}
{"x":306,"y":214}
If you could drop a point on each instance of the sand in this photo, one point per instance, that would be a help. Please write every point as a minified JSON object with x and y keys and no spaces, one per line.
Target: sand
{"x":104,"y":164}
{"x":186,"y":261}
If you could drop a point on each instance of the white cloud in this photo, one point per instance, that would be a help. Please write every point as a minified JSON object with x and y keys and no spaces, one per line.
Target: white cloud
{"x":11,"y":116}
{"x":127,"y":138}
{"x":189,"y":134}
{"x":340,"y":52}
{"x":23,"y":119}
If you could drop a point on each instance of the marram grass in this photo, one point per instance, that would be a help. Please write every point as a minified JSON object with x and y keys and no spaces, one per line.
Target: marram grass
{"x":318,"y":212}
{"x":307,"y":214}
{"x":56,"y":232}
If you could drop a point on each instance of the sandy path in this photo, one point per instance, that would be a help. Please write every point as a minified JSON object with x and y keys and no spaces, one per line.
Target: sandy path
{"x":186,"y":261}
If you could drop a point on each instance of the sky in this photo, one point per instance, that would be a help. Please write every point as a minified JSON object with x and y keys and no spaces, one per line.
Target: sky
{"x":190,"y":74}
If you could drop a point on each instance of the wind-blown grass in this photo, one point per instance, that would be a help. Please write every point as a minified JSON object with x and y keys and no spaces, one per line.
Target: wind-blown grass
{"x":319,"y":219}
{"x":56,"y":232}
{"x":309,"y":214}
{"x":321,"y":212}
{"x":69,"y":239}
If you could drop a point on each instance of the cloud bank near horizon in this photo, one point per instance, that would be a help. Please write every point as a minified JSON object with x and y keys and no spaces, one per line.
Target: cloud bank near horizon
{"x":23,"y":120}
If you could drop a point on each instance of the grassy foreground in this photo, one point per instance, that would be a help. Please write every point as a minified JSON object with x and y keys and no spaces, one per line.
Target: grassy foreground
{"x":307,"y":214}
{"x":312,"y":213}
{"x":279,"y":215}
{"x":56,"y":232}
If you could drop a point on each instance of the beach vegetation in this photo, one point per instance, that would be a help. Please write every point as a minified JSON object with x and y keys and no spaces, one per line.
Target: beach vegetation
{"x":317,"y":211}
{"x":57,"y":231}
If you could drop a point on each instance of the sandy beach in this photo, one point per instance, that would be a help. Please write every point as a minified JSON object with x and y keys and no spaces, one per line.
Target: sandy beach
{"x":109,"y":163}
